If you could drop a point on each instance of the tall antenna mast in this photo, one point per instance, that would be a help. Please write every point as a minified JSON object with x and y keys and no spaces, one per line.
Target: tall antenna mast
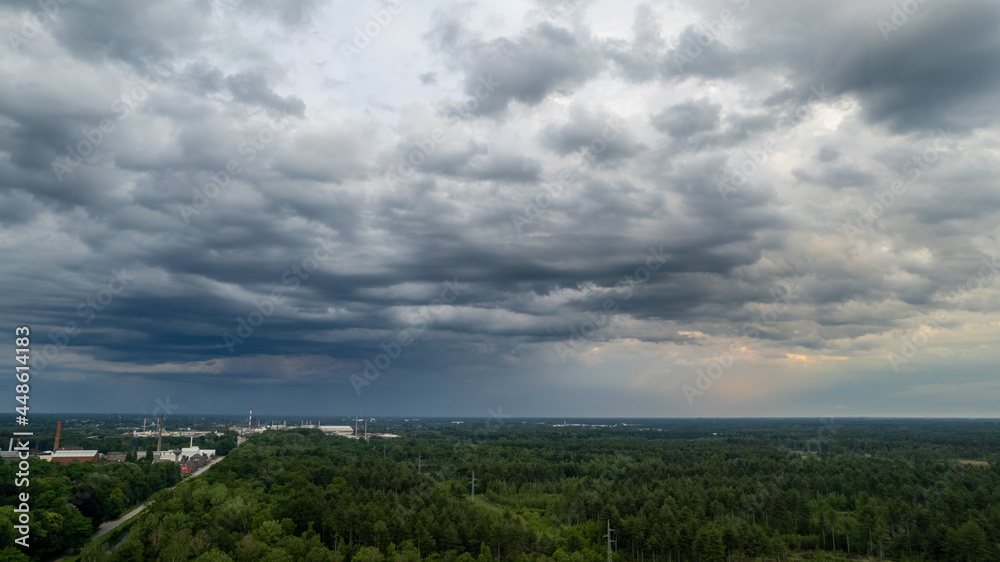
{"x":473,"y":485}
{"x":611,"y":540}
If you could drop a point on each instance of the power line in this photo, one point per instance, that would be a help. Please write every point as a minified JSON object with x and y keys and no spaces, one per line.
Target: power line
{"x":611,"y":539}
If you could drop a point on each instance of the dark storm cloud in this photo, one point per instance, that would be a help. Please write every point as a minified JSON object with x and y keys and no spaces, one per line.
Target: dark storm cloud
{"x":506,"y":169}
{"x":695,"y":55}
{"x":527,"y":67}
{"x":906,"y":79}
{"x":711,"y":133}
{"x":135,"y":33}
{"x":836,"y":177}
{"x":923,"y":78}
{"x":613,"y":148}
{"x":289,"y":12}
{"x":827,"y":154}
{"x":252,"y":89}
{"x":639,"y":59}
{"x":685,"y":119}
{"x":202,"y":78}
{"x":597,"y":130}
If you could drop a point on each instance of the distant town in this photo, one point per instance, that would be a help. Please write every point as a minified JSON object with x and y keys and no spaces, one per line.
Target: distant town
{"x":91,"y":438}
{"x":193,"y":441}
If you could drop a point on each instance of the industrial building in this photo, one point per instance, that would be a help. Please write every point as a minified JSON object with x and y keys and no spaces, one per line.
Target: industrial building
{"x":342,"y":430}
{"x":190,"y":458}
{"x":66,"y":457}
{"x":182,"y":455}
{"x":9,"y":455}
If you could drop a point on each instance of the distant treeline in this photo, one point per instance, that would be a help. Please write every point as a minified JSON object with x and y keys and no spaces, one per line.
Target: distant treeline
{"x":774,"y":490}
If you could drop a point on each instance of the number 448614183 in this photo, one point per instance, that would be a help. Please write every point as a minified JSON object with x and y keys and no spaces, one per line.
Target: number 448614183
{"x":23,"y":351}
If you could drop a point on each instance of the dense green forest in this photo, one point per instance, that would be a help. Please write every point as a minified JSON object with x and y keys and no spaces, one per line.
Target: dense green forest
{"x":775,"y":490}
{"x":69,"y":501}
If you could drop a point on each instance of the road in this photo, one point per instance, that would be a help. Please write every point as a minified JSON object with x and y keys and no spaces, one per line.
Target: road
{"x":112,"y":525}
{"x":106,"y":528}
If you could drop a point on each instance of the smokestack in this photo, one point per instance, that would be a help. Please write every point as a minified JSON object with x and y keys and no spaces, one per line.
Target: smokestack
{"x":159,"y":435}
{"x":58,"y":435}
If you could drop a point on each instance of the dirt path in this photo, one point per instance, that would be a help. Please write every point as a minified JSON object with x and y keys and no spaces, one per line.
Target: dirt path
{"x":106,"y":528}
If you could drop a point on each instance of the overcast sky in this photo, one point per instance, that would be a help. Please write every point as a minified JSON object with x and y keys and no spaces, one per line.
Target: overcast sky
{"x":670,"y":209}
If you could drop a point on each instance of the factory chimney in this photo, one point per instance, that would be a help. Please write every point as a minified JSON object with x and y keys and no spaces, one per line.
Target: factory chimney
{"x":58,"y":435}
{"x":159,"y":435}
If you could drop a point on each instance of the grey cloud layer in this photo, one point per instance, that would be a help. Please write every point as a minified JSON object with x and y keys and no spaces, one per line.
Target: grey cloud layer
{"x":303,"y":162}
